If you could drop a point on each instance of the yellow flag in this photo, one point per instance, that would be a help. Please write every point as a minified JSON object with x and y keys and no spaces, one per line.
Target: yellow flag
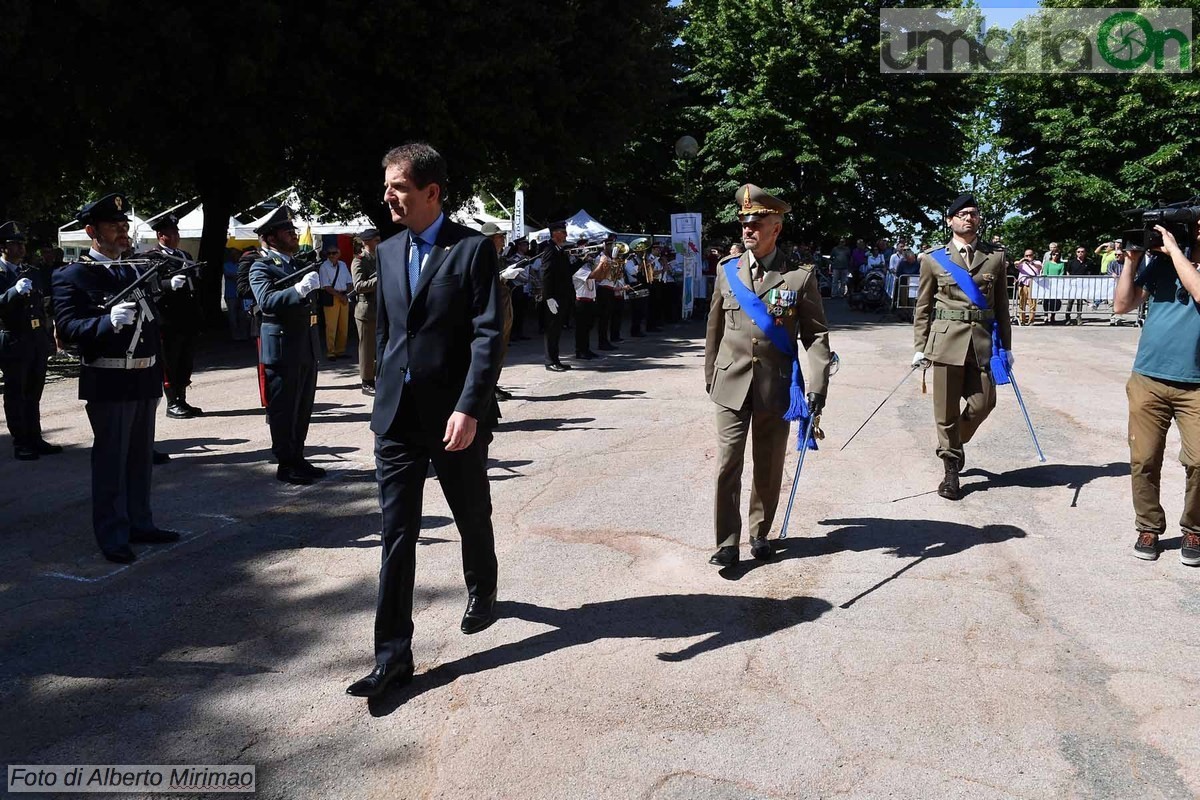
{"x":306,"y":242}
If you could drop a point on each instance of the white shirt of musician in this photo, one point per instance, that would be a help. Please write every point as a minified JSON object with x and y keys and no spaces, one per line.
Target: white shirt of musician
{"x":631,"y":270}
{"x":608,"y":281}
{"x":585,"y":287}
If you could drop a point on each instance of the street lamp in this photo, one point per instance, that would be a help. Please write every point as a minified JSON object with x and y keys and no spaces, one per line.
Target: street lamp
{"x":686,"y":149}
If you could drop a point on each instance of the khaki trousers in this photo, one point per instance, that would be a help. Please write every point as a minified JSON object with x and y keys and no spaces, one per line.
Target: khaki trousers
{"x":1027,"y":306}
{"x":952,"y":384}
{"x":337,"y":325}
{"x":1152,"y":405}
{"x":768,"y":442}
{"x":366,"y":349}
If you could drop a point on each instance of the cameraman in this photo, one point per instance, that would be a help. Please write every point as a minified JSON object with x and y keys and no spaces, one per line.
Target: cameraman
{"x":1165,"y":385}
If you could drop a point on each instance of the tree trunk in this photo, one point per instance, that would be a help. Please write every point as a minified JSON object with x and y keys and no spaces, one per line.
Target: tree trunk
{"x":218,"y":191}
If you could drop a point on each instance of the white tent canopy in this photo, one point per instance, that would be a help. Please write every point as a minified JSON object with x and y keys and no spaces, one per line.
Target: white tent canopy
{"x":580,"y":225}
{"x":191,"y":225}
{"x":318,"y":226}
{"x":139,"y":230}
{"x":475,"y":217}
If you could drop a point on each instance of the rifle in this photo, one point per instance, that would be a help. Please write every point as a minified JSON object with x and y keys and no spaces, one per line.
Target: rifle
{"x":147,"y":286}
{"x":305,"y":262}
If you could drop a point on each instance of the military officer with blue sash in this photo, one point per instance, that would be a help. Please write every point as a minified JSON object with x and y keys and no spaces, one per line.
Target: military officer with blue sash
{"x":960,"y":322}
{"x":760,"y":305}
{"x":289,"y":345}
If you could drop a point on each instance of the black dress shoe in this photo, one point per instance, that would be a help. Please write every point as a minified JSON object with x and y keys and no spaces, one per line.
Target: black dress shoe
{"x":156,"y":536}
{"x":725,"y":557}
{"x":368,"y":389}
{"x":481,"y":612}
{"x":176,"y":411}
{"x":304,"y":468}
{"x":23,"y":453}
{"x":160,"y":458}
{"x":120,"y":555}
{"x":555,"y":368}
{"x":193,"y":410}
{"x":565,"y":367}
{"x":44,"y":448}
{"x":502,"y":394}
{"x":290,"y":475}
{"x":380,"y":678}
{"x":761,"y":549}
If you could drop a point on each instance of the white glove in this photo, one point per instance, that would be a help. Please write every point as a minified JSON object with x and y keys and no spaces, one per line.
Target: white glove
{"x":178,"y":282}
{"x":552,"y":304}
{"x":511,"y":273}
{"x":122,"y":314}
{"x":24,"y":286}
{"x":308,"y":284}
{"x":919,"y":360}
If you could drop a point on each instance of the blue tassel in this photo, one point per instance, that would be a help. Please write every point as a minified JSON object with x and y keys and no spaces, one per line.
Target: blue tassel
{"x":798,"y":411}
{"x":999,"y":361}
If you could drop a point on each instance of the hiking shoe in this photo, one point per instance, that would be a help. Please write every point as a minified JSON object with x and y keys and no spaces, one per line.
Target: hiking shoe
{"x":1189,"y":552}
{"x":1147,"y":547}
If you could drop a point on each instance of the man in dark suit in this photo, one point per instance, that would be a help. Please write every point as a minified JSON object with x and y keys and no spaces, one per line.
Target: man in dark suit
{"x":288,"y":344}
{"x":439,"y":328}
{"x":120,"y":378}
{"x":25,"y":345}
{"x":558,"y":292}
{"x":180,"y":323}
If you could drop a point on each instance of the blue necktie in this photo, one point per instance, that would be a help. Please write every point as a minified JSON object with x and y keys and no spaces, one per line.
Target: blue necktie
{"x":414,"y":264}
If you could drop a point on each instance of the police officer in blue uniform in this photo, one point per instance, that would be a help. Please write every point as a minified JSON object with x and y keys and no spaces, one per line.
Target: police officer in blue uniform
{"x":289,"y":344}
{"x":120,"y":378}
{"x":180,"y":322}
{"x":25,"y":346}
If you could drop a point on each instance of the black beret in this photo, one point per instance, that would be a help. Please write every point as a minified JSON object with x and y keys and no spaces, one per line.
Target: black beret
{"x":368,"y":235}
{"x":962,"y":201}
{"x":559,"y":225}
{"x":110,"y":208}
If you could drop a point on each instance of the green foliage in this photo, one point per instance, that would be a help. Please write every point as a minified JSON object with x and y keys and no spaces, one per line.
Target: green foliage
{"x":788,"y":94}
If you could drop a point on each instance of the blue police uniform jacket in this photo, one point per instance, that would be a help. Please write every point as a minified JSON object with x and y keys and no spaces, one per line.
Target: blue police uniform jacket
{"x":80,"y":291}
{"x":24,"y":333}
{"x":288,"y":333}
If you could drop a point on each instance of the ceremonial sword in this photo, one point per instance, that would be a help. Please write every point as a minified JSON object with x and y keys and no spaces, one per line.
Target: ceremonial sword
{"x":876,"y":411}
{"x":1021,"y":402}
{"x":814,"y":425}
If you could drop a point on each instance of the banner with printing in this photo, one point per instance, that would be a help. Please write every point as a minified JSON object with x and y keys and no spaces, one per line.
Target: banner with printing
{"x":685,"y":238}
{"x":518,"y":223}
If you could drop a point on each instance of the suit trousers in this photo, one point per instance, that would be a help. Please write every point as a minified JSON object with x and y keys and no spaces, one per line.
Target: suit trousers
{"x":337,"y":326}
{"x":637,"y":314}
{"x":291,"y":390}
{"x":769,"y":438}
{"x":366,"y":349}
{"x":952,"y":384}
{"x":24,"y":380}
{"x":506,"y":306}
{"x":402,"y":458}
{"x":585,"y":315}
{"x":122,"y":457}
{"x":1153,"y":403}
{"x":554,"y":324}
{"x":179,"y":356}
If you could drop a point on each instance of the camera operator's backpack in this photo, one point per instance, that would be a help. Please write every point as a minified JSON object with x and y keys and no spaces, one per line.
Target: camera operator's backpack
{"x":243,"y":273}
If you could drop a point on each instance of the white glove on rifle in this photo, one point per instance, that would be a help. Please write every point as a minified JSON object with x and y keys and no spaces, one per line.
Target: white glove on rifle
{"x":122,"y":314}
{"x":919,"y":360}
{"x":178,"y":282}
{"x":552,"y":304}
{"x":24,"y":286}
{"x":308,"y":284}
{"x":511,"y":273}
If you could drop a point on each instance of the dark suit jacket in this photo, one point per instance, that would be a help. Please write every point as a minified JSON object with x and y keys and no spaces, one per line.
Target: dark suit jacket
{"x":556,"y":276}
{"x":289,"y":325}
{"x":446,"y":334}
{"x":80,"y":291}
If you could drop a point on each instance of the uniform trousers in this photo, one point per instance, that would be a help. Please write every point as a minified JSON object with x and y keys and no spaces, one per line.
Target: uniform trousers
{"x":506,"y":310}
{"x":24,"y":380}
{"x":554,"y":325}
{"x":1153,"y":403}
{"x":179,"y":358}
{"x":366,"y":349}
{"x":402,"y":458}
{"x":768,"y":433}
{"x":585,"y":315}
{"x":637,"y":314}
{"x":615,"y":316}
{"x":605,"y":298}
{"x":290,"y":393}
{"x":953,"y":383}
{"x":122,"y":458}
{"x":337,"y":326}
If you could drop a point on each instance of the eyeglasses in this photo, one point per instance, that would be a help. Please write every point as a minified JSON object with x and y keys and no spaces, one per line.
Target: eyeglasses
{"x":966,"y":214}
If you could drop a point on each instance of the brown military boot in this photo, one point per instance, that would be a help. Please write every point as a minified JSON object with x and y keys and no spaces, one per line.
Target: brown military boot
{"x":948,"y":488}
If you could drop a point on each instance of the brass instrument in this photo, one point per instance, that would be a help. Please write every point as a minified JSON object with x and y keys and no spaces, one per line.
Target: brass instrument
{"x":616,"y":262}
{"x":641,"y":248}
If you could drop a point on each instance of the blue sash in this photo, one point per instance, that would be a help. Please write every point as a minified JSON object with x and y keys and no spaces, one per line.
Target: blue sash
{"x":999,"y":359}
{"x":757,"y":310}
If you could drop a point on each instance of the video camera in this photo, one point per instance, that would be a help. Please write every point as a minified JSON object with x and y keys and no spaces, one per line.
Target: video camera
{"x":1178,"y":218}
